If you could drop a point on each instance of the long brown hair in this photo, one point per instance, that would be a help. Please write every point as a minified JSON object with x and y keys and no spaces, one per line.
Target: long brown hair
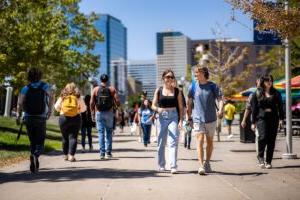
{"x":166,"y":72}
{"x":70,"y":89}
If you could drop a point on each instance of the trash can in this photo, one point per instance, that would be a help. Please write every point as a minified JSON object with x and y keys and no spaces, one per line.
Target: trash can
{"x":246,"y":134}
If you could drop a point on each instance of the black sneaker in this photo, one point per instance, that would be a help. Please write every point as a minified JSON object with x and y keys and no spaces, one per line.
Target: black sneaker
{"x":36,"y":164}
{"x":32,"y":168}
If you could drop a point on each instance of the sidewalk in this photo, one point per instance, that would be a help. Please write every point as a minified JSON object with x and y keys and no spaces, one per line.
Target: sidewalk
{"x":132,"y":174}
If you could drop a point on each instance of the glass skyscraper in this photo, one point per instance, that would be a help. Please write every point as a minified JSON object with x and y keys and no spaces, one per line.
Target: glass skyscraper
{"x":113,"y":51}
{"x":172,"y":53}
{"x":145,"y":72}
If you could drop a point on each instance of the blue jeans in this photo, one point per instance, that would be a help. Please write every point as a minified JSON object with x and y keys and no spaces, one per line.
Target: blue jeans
{"x":104,"y":122}
{"x":168,"y":129}
{"x":146,"y":133}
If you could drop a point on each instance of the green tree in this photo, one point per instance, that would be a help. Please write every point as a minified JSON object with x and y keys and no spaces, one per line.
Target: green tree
{"x":271,"y":17}
{"x":50,"y":34}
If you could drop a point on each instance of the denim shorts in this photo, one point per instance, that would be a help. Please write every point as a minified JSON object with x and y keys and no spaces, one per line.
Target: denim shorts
{"x":205,"y":128}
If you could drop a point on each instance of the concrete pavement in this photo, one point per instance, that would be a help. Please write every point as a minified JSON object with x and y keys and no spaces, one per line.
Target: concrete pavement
{"x":132,"y":174}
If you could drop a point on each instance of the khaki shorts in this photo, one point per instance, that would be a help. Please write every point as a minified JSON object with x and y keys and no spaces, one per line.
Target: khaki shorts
{"x":205,"y":128}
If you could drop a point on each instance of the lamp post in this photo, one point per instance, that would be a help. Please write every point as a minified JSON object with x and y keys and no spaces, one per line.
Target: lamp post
{"x":289,"y":140}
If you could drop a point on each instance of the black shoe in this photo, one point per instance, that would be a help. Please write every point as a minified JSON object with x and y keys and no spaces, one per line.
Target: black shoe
{"x":145,"y":145}
{"x":188,"y":147}
{"x":36,"y":164}
{"x":32,"y":168}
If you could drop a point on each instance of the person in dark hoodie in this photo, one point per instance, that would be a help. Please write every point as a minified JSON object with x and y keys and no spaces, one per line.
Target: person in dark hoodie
{"x":267,"y":115}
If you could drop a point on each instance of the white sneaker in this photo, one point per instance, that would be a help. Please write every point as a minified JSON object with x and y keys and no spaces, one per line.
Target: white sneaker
{"x":207,"y":167}
{"x":268,"y":166}
{"x":201,"y":171}
{"x":161,"y":169}
{"x":229,"y":136}
{"x":173,"y":170}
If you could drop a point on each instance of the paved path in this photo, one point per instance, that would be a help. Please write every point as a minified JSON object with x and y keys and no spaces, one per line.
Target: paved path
{"x":131,"y":174}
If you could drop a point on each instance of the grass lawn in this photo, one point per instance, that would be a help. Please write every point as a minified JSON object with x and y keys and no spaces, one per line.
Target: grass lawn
{"x":12,"y":151}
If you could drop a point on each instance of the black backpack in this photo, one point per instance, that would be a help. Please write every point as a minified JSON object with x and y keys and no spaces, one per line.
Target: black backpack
{"x":104,"y":99}
{"x":35,"y":100}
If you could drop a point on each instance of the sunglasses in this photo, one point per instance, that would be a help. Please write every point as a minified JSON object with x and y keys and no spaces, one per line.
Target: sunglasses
{"x":169,"y":77}
{"x":268,"y":80}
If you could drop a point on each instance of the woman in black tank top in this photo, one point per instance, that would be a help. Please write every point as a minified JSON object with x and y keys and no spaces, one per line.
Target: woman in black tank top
{"x":166,"y":101}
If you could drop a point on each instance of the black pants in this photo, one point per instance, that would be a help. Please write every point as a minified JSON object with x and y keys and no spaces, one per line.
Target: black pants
{"x":69,"y":127}
{"x":36,"y":131}
{"x":267,"y":132}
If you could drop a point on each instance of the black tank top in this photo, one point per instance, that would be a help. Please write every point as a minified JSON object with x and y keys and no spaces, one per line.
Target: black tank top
{"x":167,"y":101}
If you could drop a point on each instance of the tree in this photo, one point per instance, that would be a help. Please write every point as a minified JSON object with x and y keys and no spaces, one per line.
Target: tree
{"x":276,"y":18}
{"x":50,"y":34}
{"x":222,"y":62}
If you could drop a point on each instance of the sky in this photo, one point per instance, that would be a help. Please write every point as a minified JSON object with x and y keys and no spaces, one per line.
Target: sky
{"x":194,"y":18}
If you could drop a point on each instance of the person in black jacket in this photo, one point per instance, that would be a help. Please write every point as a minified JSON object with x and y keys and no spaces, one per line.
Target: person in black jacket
{"x":267,"y":114}
{"x":87,"y":124}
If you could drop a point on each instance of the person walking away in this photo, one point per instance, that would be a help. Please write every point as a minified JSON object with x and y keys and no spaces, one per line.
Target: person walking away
{"x":36,"y":100}
{"x":70,"y":105}
{"x":103,"y":100}
{"x":166,"y":100}
{"x":229,"y":110}
{"x":203,"y":94}
{"x":187,"y":134}
{"x":146,"y":116}
{"x":247,"y":113}
{"x":87,"y":125}
{"x":267,"y":115}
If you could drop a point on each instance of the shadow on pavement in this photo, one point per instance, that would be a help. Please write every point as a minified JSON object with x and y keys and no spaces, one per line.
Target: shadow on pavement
{"x":75,"y":174}
{"x":135,"y":157}
{"x":132,"y":150}
{"x":93,"y":160}
{"x":239,"y":173}
{"x":288,"y":166}
{"x":121,"y":141}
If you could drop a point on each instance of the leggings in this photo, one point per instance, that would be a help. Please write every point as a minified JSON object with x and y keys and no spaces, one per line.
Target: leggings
{"x":69,"y":127}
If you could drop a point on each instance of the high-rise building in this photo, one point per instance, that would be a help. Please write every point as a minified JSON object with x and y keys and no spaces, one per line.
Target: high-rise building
{"x":113,"y":51}
{"x":145,"y":72}
{"x":172,"y":53}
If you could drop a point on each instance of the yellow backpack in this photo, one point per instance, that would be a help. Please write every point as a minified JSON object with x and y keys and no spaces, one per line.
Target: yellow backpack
{"x":70,"y":106}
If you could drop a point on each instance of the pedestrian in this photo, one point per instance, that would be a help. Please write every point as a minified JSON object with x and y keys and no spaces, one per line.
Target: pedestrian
{"x":121,"y":116}
{"x":146,"y":117}
{"x":36,"y":100}
{"x":187,"y":137}
{"x":229,"y":110}
{"x":104,"y":99}
{"x":267,"y":115}
{"x":70,"y":105}
{"x":247,"y":113}
{"x":166,"y":100}
{"x":87,"y":125}
{"x":187,"y":134}
{"x":202,"y":95}
{"x":248,"y":105}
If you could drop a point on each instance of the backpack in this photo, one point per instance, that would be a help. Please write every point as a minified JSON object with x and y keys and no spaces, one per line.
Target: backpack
{"x":35,"y":100}
{"x":104,"y":99}
{"x":212,"y":88}
{"x":69,"y":106}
